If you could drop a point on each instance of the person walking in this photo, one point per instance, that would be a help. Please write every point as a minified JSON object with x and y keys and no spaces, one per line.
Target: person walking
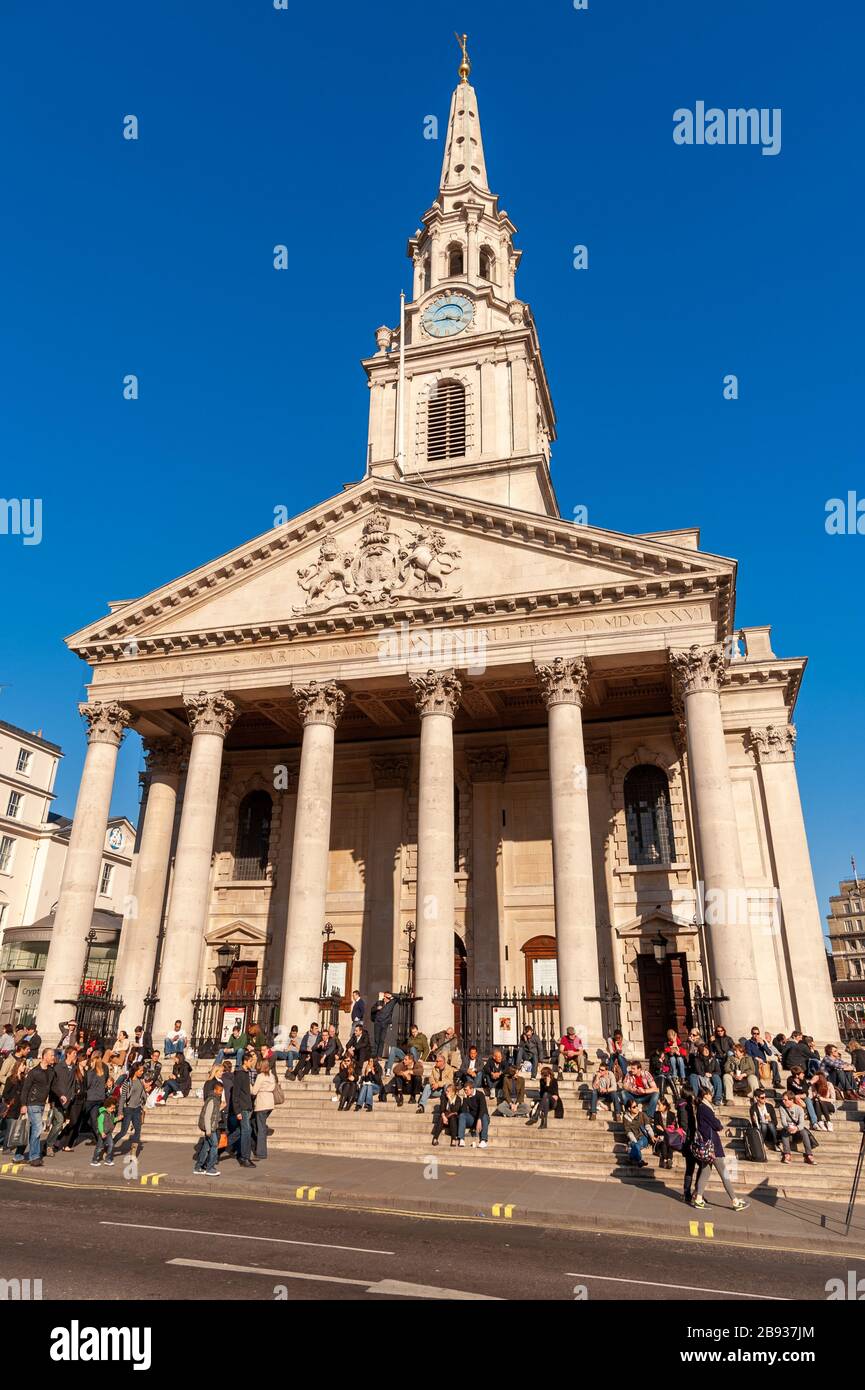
{"x":207,"y":1150}
{"x":10,"y":1102}
{"x":35,"y":1091}
{"x":710,"y":1153}
{"x":241,"y":1109}
{"x":76,"y":1110}
{"x":263,"y":1090}
{"x":105,"y":1122}
{"x":131,"y":1108}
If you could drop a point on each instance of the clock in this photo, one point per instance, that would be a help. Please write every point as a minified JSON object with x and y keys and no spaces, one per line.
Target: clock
{"x":449,"y":314}
{"x":115,"y":838}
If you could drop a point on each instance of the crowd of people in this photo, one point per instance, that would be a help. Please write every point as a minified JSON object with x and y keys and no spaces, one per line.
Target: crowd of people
{"x":51,"y":1099}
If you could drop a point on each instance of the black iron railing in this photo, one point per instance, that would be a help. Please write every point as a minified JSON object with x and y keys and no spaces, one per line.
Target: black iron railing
{"x":539,"y":1011}
{"x":703,"y":1011}
{"x":98,"y":1015}
{"x":208,"y":1017}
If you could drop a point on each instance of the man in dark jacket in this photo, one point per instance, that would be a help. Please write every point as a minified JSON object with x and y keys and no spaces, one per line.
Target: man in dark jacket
{"x":384,"y":1024}
{"x":358,"y":1009}
{"x":721,"y":1044}
{"x":473,"y":1115}
{"x":34,"y":1093}
{"x":797,"y":1053}
{"x":326,"y":1051}
{"x":529,"y":1049}
{"x":241,"y":1108}
{"x":308,"y":1044}
{"x":359,"y":1047}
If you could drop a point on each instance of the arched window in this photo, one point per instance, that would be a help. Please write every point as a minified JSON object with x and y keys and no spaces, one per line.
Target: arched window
{"x":446,"y":421}
{"x":337,"y":969}
{"x":455,"y":260}
{"x":487,"y":264}
{"x":253,"y":836}
{"x":648,"y":817}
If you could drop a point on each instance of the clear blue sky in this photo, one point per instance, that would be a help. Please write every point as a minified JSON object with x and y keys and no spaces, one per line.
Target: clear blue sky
{"x":305,"y":127}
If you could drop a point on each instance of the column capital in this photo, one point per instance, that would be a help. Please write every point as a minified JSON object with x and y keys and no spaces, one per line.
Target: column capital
{"x":165,"y":755}
{"x":563,"y":681}
{"x":210,"y":714}
{"x":698,"y":668}
{"x":487,"y":764}
{"x":320,"y":702}
{"x":106,"y":722}
{"x":772,"y":744}
{"x":437,"y":692}
{"x":390,"y":770}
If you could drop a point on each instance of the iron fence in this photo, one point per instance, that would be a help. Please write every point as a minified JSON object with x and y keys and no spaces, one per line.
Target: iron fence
{"x":703,"y":1011}
{"x":538,"y":1011}
{"x":98,"y":1015}
{"x":208,"y":1017}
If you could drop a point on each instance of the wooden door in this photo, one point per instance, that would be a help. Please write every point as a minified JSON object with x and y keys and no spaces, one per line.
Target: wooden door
{"x":242,"y":980}
{"x":663,"y":998}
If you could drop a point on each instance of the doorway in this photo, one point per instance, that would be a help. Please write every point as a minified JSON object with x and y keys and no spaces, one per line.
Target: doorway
{"x":242,"y":980}
{"x":460,"y":977}
{"x":664,"y":998}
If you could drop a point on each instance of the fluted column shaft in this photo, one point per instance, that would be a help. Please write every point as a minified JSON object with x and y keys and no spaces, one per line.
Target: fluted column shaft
{"x":698,"y":675}
{"x":62,"y":980}
{"x":210,"y":717}
{"x":320,"y":707}
{"x":437,"y":695}
{"x":563,"y":684}
{"x":143,"y":918}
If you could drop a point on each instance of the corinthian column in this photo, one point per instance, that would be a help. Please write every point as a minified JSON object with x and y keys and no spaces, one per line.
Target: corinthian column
{"x":437,"y":696}
{"x":210,"y":718}
{"x":139,"y":938}
{"x":807,"y":972}
{"x":106,"y":725}
{"x":320,"y":707}
{"x":698,"y":675}
{"x":563,"y":686}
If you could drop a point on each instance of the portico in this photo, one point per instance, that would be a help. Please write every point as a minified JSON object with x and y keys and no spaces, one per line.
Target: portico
{"x":430,"y":710}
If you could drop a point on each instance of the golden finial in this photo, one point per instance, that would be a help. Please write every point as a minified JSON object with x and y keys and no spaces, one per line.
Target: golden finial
{"x":465,"y":66}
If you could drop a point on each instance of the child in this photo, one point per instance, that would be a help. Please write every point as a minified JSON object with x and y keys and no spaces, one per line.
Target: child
{"x":106,"y":1119}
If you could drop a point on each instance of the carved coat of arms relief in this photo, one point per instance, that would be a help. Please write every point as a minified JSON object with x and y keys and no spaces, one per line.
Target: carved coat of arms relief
{"x":381,"y":567}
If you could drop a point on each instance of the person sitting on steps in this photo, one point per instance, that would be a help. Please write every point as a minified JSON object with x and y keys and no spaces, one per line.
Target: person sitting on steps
{"x":548,"y":1097}
{"x":604,"y":1087}
{"x":447,"y":1114}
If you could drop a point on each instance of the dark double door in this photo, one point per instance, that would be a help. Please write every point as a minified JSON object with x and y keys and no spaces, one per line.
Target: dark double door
{"x":665,"y":998}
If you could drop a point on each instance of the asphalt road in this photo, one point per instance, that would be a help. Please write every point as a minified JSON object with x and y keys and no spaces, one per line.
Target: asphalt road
{"x":90,"y":1244}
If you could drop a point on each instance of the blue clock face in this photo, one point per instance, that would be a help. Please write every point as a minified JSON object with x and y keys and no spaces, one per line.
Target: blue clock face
{"x":447,"y":316}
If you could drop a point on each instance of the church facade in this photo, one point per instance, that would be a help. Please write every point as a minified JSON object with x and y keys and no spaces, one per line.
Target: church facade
{"x":446,"y":736}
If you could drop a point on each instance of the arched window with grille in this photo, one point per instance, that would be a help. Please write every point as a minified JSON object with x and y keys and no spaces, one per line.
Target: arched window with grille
{"x":253,"y":836}
{"x":648,"y":816}
{"x":446,"y":421}
{"x":456,"y":260}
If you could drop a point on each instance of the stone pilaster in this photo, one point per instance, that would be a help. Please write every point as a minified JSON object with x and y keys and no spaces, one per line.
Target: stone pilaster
{"x":698,"y":674}
{"x":106,"y":725}
{"x":773,"y":748}
{"x":210,"y":718}
{"x":320,"y":705}
{"x":437,"y":696}
{"x":563,"y":684}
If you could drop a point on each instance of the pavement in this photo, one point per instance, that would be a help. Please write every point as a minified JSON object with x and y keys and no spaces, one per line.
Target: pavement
{"x":432,"y":1189}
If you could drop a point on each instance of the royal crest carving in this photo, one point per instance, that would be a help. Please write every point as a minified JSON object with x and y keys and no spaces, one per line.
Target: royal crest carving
{"x":382,"y":568}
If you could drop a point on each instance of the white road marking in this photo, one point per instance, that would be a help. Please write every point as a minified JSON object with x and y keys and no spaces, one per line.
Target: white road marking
{"x":388,"y":1287}
{"x":236,"y":1235}
{"x":693,"y":1288}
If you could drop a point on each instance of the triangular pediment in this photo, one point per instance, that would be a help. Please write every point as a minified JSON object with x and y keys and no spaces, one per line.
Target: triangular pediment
{"x":381,"y":548}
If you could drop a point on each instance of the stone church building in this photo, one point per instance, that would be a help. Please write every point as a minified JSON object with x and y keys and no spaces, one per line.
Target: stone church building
{"x":485,"y":746}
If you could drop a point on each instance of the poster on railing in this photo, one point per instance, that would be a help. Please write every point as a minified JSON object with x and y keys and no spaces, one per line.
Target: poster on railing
{"x":229,"y":1018}
{"x":506,"y":1030}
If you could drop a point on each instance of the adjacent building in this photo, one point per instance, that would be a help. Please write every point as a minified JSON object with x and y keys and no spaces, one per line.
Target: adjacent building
{"x":846,"y":921}
{"x":34,"y":842}
{"x":437,"y":729}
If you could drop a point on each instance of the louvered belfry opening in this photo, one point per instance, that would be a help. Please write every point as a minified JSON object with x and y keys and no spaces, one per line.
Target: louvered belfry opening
{"x":446,"y":422}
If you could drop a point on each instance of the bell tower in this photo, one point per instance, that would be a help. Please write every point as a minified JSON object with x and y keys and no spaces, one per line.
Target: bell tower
{"x":472,"y":394}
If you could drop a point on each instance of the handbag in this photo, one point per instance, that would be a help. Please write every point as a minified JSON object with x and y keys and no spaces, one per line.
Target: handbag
{"x":559,"y":1111}
{"x":702,"y":1149}
{"x":675,"y":1137}
{"x":278,"y":1094}
{"x":19,"y":1134}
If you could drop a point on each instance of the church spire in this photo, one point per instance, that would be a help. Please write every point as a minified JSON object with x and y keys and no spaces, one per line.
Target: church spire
{"x":463,"y":162}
